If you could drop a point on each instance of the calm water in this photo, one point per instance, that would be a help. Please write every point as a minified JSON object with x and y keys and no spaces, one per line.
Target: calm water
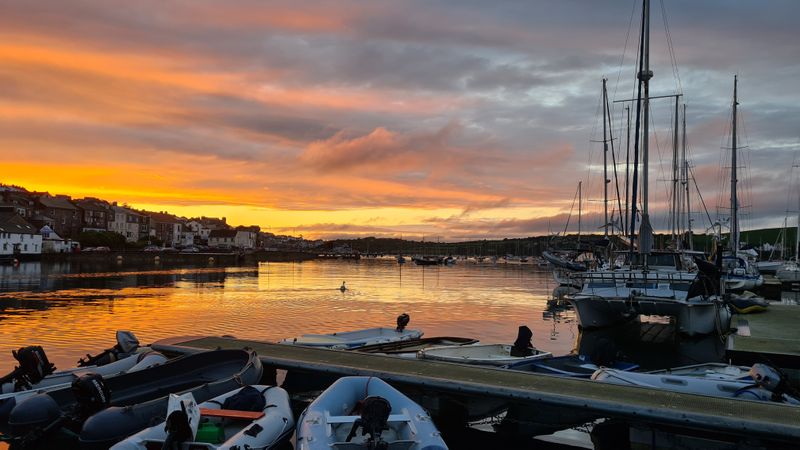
{"x":72,"y":309}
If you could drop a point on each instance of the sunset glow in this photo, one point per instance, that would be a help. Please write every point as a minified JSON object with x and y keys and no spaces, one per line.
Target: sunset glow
{"x":463,"y":121}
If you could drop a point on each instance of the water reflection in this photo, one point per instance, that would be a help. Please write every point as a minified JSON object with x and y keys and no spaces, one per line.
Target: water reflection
{"x":72,"y":309}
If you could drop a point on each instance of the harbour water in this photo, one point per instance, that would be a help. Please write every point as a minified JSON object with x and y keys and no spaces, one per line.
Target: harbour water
{"x":72,"y":309}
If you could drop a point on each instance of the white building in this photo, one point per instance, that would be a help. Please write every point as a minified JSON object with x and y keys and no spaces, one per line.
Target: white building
{"x":245,"y":239}
{"x":17,"y":236}
{"x":53,"y":243}
{"x":127,"y":223}
{"x":222,"y":238}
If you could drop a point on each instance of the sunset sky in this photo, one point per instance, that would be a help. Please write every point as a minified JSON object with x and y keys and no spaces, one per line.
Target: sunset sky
{"x":454,"y":119}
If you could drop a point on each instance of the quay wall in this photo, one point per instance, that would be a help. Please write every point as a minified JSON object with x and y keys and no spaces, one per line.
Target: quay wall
{"x":176,"y":258}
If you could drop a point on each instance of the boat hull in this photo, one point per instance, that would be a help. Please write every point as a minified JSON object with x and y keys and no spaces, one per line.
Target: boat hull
{"x":487,"y":355}
{"x":325,"y":424}
{"x":693,"y":317}
{"x":277,"y":425}
{"x":354,"y":339}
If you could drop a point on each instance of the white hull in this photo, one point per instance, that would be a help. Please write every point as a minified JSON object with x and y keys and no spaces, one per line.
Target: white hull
{"x":276,"y":426}
{"x":711,"y":383}
{"x":354,"y":339}
{"x":482,"y":354}
{"x":328,"y":421}
{"x":692,"y":317}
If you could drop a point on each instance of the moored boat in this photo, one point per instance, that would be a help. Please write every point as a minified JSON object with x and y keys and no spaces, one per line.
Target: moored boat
{"x":386,"y":419}
{"x":573,"y":366}
{"x":759,"y":382}
{"x":358,"y":338}
{"x":223,"y":426}
{"x":481,"y":354}
{"x":103,"y":412}
{"x":488,"y":354}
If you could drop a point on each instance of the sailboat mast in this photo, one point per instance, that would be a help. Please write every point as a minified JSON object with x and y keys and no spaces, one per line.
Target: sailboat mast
{"x":686,"y":184}
{"x":627,"y":171}
{"x":645,"y":75}
{"x":579,"y":212}
{"x":675,"y":208}
{"x":605,"y":162}
{"x":734,"y":180}
{"x":645,"y":233}
{"x":797,"y":234}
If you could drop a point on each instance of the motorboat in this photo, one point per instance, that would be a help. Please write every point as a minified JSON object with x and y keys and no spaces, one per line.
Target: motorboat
{"x":573,"y":366}
{"x":225,"y":423}
{"x":366,"y":413}
{"x":346,"y":340}
{"x":759,"y":382}
{"x":35,"y":372}
{"x":488,"y":354}
{"x":481,"y":354}
{"x":102,"y":412}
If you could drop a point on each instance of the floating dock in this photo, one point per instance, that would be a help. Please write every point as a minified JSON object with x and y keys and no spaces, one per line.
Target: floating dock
{"x":732,"y":417}
{"x":772,"y":337}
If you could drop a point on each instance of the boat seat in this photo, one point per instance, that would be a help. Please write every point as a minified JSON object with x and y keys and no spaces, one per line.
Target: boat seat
{"x":394,"y":445}
{"x":231,"y":414}
{"x":332,"y":420}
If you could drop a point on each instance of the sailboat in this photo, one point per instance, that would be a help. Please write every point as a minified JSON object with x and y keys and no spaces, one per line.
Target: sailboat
{"x":648,"y":282}
{"x":740,"y":272}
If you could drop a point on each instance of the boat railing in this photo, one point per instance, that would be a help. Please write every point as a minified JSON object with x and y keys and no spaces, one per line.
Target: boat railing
{"x":626,"y":283}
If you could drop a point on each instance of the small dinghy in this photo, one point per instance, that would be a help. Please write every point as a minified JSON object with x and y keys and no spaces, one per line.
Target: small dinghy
{"x":759,"y":382}
{"x":489,"y":354}
{"x":353,"y":339}
{"x":35,"y":371}
{"x":254,"y":417}
{"x":103,"y":412}
{"x":410,"y":348}
{"x":366,"y":413}
{"x":574,"y":366}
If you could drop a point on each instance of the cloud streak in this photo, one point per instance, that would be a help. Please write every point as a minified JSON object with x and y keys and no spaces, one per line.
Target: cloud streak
{"x":460,"y":118}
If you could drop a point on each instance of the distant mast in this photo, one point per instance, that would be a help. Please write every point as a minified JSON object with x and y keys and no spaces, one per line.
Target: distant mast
{"x":605,"y":163}
{"x":686,"y":185}
{"x":580,"y":183}
{"x":734,"y":180}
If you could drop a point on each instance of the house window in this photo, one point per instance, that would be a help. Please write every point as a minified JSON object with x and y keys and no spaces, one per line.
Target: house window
{"x":26,"y":247}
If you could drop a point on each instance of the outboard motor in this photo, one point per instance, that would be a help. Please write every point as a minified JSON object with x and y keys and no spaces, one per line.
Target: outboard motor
{"x":127,"y":343}
{"x":402,"y":321}
{"x":523,"y":345}
{"x":178,"y":430}
{"x":91,"y":393}
{"x":33,"y":367}
{"x":374,"y":419}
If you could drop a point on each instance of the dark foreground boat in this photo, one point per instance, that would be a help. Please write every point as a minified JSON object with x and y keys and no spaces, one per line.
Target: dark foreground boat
{"x":573,"y":366}
{"x":100,"y":412}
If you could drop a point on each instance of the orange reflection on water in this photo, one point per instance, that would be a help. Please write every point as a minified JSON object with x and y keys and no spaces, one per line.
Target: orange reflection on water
{"x":72,"y":314}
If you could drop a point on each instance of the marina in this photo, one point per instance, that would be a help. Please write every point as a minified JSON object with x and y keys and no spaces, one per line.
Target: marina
{"x":399,"y":226}
{"x":763,"y":420}
{"x":454,"y":394}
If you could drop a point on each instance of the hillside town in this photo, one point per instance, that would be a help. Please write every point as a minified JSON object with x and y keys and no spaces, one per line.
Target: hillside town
{"x":33,"y":223}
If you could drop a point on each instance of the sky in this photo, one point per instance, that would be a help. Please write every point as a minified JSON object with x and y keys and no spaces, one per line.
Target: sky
{"x":453,"y":120}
